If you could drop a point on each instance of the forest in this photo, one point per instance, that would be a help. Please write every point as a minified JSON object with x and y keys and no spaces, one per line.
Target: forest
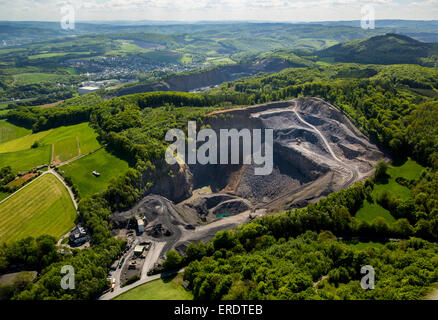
{"x":386,"y":49}
{"x":311,"y":266}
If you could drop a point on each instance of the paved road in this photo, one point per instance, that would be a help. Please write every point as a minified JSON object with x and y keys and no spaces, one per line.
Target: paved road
{"x":118,"y":273}
{"x":50,"y":171}
{"x":23,"y":187}
{"x":72,"y":196}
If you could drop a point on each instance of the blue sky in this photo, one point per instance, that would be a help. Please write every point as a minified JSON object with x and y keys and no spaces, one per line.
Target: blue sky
{"x":195,"y":10}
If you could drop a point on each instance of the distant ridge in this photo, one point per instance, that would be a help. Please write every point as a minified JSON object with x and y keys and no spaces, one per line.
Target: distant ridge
{"x":390,"y":48}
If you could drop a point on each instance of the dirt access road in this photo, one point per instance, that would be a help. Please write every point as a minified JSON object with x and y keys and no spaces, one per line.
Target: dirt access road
{"x":168,"y":215}
{"x":354,"y":171}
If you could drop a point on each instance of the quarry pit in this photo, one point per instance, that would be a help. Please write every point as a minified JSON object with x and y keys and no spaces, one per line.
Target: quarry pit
{"x":317,"y":151}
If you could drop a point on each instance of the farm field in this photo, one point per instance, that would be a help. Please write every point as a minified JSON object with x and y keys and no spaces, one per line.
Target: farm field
{"x":65,"y":150}
{"x":42,"y":207}
{"x":161,"y":289}
{"x":86,"y":135}
{"x":8,"y":131}
{"x":68,"y":142}
{"x":20,"y":181}
{"x":30,"y":78}
{"x":26,"y":159}
{"x":126,"y":46}
{"x":23,"y":143}
{"x":409,"y":170}
{"x":108,"y":165}
{"x":3,"y":195}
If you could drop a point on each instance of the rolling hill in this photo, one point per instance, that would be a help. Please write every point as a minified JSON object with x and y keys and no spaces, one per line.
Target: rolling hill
{"x":386,"y":49}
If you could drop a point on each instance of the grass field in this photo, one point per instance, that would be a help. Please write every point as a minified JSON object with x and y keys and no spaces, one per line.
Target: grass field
{"x":23,"y":143}
{"x":126,"y":46}
{"x":18,"y":153}
{"x":371,"y":211}
{"x":3,"y":195}
{"x":108,"y":165}
{"x":161,"y":289}
{"x":409,"y":170}
{"x":219,"y":61}
{"x":86,"y":135}
{"x":31,"y":78}
{"x":26,"y":159}
{"x":55,"y":54}
{"x":3,"y":112}
{"x":8,"y":131}
{"x":66,"y":149}
{"x":42,"y":207}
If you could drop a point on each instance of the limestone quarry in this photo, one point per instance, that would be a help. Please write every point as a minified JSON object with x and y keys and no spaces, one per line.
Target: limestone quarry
{"x":317,"y":151}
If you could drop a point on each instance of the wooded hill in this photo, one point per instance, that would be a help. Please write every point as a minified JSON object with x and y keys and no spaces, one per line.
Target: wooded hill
{"x":386,"y":49}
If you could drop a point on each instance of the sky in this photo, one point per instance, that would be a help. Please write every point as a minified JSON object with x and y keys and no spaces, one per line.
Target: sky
{"x":214,"y":10}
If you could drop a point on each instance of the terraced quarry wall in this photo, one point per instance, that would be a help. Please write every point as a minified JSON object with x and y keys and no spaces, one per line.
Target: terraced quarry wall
{"x":314,"y":144}
{"x":208,"y":78}
{"x":316,"y":151}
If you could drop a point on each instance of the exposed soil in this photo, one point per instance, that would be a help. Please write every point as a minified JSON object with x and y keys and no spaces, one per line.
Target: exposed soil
{"x":317,"y":150}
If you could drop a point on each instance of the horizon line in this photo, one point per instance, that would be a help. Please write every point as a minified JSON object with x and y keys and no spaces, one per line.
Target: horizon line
{"x":218,"y":21}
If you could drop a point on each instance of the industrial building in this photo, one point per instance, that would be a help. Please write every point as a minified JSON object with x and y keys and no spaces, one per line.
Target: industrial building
{"x":85,"y":90}
{"x":138,"y":250}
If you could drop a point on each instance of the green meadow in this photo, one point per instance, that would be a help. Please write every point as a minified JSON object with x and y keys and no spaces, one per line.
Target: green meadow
{"x":409,"y":170}
{"x":26,"y":159}
{"x":66,"y":142}
{"x":80,"y":171}
{"x":9,"y":132}
{"x":42,"y":207}
{"x":30,"y":78}
{"x":161,"y":289}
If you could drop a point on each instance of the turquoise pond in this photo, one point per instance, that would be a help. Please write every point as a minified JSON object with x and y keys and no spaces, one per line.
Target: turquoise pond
{"x":220,"y":215}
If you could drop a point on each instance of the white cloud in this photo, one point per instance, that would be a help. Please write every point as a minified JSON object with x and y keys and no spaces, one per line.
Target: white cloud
{"x":285,"y":10}
{"x":426,"y":3}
